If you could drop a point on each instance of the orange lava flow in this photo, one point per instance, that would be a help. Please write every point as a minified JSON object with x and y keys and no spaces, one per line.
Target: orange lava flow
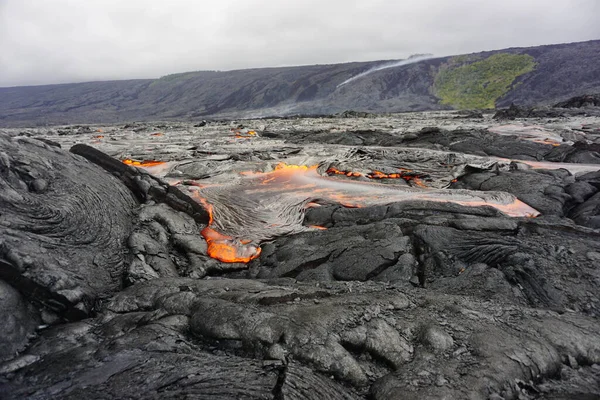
{"x":243,"y":135}
{"x":319,"y":227}
{"x":265,"y":205}
{"x":291,"y":168}
{"x":548,"y":141}
{"x":405,"y":174}
{"x":227,"y":249}
{"x":335,"y":171}
{"x":146,"y":163}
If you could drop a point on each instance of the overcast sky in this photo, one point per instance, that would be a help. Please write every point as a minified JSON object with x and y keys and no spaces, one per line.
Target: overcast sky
{"x":55,"y":41}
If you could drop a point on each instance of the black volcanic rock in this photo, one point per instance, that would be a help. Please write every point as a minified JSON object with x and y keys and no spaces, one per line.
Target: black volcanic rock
{"x":592,"y":100}
{"x":143,"y":185}
{"x":19,"y":320}
{"x":63,"y":225}
{"x":365,"y":336}
{"x":514,"y":112}
{"x":543,"y":191}
{"x":335,"y":254}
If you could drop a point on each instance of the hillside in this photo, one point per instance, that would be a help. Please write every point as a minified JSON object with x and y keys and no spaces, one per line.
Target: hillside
{"x":525,"y":76}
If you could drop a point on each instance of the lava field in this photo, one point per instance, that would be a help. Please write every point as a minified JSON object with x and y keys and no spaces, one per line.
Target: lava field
{"x":442,"y":255}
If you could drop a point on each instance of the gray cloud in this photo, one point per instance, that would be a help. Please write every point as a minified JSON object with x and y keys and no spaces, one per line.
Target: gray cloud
{"x":53,"y":41}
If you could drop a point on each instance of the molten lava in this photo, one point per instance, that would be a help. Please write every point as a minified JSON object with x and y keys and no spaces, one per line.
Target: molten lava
{"x":403,"y":173}
{"x":145,"y":163}
{"x":262,"y":206}
{"x":227,"y":249}
{"x":548,"y":141}
{"x":319,"y":227}
{"x":335,"y":171}
{"x":239,"y":134}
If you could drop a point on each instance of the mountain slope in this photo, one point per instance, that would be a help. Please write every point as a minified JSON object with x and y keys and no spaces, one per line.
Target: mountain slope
{"x":554,"y":73}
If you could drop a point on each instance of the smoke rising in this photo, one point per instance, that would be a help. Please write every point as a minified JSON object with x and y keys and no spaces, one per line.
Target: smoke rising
{"x":410,"y":60}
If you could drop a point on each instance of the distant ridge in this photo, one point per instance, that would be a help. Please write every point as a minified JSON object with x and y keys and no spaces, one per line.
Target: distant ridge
{"x":525,"y":76}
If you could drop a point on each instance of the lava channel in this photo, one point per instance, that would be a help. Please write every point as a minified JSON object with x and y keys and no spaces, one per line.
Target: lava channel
{"x":262,"y":206}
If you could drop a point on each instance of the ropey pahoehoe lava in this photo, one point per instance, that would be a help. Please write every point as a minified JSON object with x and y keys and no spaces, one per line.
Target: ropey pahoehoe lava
{"x":263,"y":205}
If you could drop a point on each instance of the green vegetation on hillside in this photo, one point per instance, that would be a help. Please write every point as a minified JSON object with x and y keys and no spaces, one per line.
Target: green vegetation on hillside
{"x":481,"y":83}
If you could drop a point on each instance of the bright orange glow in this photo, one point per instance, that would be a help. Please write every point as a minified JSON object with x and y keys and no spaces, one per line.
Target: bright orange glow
{"x":226,"y":249}
{"x":548,"y":141}
{"x":222,"y":247}
{"x":259,"y":206}
{"x":335,"y":171}
{"x":157,"y":134}
{"x":207,"y":207}
{"x":405,"y":174}
{"x":146,"y":163}
{"x":283,"y":167}
{"x":98,"y":137}
{"x":322,"y":228}
{"x":243,"y":134}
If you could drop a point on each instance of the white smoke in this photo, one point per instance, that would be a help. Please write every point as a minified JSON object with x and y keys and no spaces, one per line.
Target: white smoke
{"x":410,"y":60}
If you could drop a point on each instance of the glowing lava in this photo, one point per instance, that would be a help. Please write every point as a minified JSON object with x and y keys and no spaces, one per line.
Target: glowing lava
{"x":262,"y":206}
{"x":335,"y":171}
{"x":403,"y":173}
{"x":240,"y":134}
{"x":146,"y":163}
{"x":227,"y":249}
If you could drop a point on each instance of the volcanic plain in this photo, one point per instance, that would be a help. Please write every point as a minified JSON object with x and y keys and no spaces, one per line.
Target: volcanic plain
{"x":443,"y":255}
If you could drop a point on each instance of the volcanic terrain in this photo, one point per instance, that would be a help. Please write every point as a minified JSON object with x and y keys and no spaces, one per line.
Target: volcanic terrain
{"x":443,"y":255}
{"x":528,"y":76}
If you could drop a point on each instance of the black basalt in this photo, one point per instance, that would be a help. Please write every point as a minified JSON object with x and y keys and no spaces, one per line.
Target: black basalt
{"x":64,"y":222}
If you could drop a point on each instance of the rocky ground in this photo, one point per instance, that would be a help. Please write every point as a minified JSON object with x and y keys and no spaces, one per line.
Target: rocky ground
{"x":442,"y":255}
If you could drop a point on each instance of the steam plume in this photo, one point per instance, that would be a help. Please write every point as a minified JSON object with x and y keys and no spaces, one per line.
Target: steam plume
{"x":410,"y":60}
